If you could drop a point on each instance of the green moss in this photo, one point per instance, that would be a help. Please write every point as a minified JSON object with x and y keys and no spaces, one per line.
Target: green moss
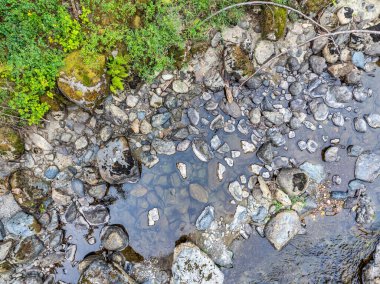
{"x":11,"y":144}
{"x":314,"y":6}
{"x":89,"y":74}
{"x":273,"y":21}
{"x":242,"y":61}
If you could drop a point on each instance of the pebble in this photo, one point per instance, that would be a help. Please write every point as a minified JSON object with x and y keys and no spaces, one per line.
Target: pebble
{"x":114,"y":238}
{"x":51,"y":172}
{"x":153,"y":216}
{"x":220,"y":171}
{"x":331,"y":154}
{"x":132,"y":101}
{"x":182,"y":170}
{"x":180,"y":87}
{"x":311,"y":146}
{"x":193,"y":115}
{"x":81,"y":143}
{"x":198,"y":192}
{"x":236,"y":190}
{"x":205,"y":219}
{"x":360,"y":125}
{"x":373,"y":120}
{"x":247,"y":147}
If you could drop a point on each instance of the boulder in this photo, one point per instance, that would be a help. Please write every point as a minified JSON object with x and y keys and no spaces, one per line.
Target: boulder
{"x":293,"y":181}
{"x":116,"y":163}
{"x":367,"y":167}
{"x":191,"y":266}
{"x":81,"y":83}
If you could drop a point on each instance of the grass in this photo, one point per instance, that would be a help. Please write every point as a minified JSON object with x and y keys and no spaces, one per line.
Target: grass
{"x":37,"y":35}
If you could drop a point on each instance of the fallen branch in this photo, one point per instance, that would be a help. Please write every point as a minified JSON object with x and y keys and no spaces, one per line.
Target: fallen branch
{"x":306,"y":42}
{"x":256,"y":3}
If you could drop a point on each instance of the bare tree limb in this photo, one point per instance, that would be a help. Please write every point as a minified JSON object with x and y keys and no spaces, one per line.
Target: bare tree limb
{"x":306,"y":42}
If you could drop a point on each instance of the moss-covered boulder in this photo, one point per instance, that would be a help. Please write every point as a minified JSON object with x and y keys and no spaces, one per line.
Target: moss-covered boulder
{"x":273,"y":22}
{"x":11,"y":144}
{"x":84,"y":83}
{"x":314,"y":6}
{"x":29,"y":191}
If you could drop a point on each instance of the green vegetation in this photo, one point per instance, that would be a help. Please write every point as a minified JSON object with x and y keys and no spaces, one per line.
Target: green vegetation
{"x":278,"y":206}
{"x":37,"y":35}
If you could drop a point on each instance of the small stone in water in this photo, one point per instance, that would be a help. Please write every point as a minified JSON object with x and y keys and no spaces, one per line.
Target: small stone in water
{"x":236,"y":190}
{"x":220,"y":171}
{"x":247,"y":147}
{"x":373,"y":120}
{"x":215,"y":142}
{"x":153,"y":216}
{"x":302,"y":145}
{"x":205,"y":219}
{"x":229,"y":161}
{"x":331,"y":154}
{"x":360,"y":125}
{"x":235,"y":154}
{"x":183,"y":145}
{"x":311,"y":146}
{"x":255,"y":169}
{"x":337,"y":179}
{"x":338,"y":195}
{"x":182,"y":170}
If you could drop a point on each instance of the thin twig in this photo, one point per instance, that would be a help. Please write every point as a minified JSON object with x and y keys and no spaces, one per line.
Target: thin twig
{"x":256,"y":3}
{"x":306,"y":42}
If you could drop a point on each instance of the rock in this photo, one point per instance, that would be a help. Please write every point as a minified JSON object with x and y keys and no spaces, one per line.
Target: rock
{"x":160,"y":119}
{"x":114,"y":238}
{"x":371,"y":271}
{"x":116,"y":163}
{"x":132,"y":101}
{"x":99,"y":272}
{"x":51,"y":172}
{"x":344,"y":15}
{"x":341,"y":70}
{"x":360,"y":125}
{"x":274,"y":117}
{"x":183,"y":145}
{"x":320,"y":110}
{"x":265,"y":153}
{"x":311,"y":146}
{"x":180,"y":87}
{"x":330,"y":53}
{"x":293,"y":181}
{"x":153,"y":216}
{"x":155,"y":100}
{"x":314,"y":171}
{"x":296,"y":89}
{"x":11,"y":144}
{"x":317,"y":64}
{"x":213,"y":80}
{"x":23,"y":225}
{"x":240,"y":218}
{"x":95,"y":215}
{"x":83,"y":84}
{"x":282,"y":228}
{"x":220,"y":171}
{"x":28,"y":249}
{"x":81,"y":143}
{"x":29,"y":191}
{"x":232,"y":109}
{"x":264,"y":51}
{"x":191,"y":265}
{"x":337,"y":119}
{"x":118,"y":115}
{"x":106,"y":133}
{"x":215,"y":142}
{"x":182,"y":170}
{"x":216,"y":39}
{"x":40,"y":142}
{"x":217,"y":122}
{"x":331,"y":154}
{"x":283,"y":198}
{"x":236,"y":190}
{"x":201,"y":150}
{"x":198,"y":192}
{"x":319,"y":44}
{"x":338,"y":195}
{"x":163,"y":147}
{"x":205,"y":219}
{"x":98,"y":191}
{"x":5,"y":248}
{"x":255,"y":116}
{"x":367,"y":167}
{"x":373,"y":120}
{"x":354,"y":150}
{"x":358,"y":59}
{"x":193,"y":115}
{"x":247,"y":147}
{"x":264,"y":188}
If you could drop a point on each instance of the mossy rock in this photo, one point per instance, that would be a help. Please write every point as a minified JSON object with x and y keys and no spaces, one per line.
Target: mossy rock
{"x":273,"y":22}
{"x":4,"y":185}
{"x":83,"y":83}
{"x":314,"y":6}
{"x":29,"y":191}
{"x":11,"y":144}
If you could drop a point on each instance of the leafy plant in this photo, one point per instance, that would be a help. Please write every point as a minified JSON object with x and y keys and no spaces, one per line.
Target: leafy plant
{"x":118,"y":68}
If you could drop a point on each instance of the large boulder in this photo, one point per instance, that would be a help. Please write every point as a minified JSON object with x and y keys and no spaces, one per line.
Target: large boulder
{"x":116,"y":163}
{"x":84,"y":84}
{"x":282,"y":228}
{"x":11,"y":144}
{"x":191,"y":266}
{"x":371,"y":272}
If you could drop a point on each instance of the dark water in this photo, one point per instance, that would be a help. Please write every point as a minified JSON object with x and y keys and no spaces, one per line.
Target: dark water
{"x":331,"y":250}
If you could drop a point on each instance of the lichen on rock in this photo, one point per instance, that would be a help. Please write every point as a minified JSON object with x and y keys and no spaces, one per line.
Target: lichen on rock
{"x":11,"y":144}
{"x":82,"y":83}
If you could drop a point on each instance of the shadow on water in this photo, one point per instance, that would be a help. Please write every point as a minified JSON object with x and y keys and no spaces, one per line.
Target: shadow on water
{"x":330,"y":252}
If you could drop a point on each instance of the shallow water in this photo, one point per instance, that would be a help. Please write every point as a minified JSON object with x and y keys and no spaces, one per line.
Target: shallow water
{"x":332,"y":248}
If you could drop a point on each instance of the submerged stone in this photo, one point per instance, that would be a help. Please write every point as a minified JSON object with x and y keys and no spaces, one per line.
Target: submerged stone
{"x":367,"y":167}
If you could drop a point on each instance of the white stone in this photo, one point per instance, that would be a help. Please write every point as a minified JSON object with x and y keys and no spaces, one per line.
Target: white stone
{"x":220,"y":171}
{"x":182,"y":170}
{"x":247,"y":147}
{"x":153,"y":216}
